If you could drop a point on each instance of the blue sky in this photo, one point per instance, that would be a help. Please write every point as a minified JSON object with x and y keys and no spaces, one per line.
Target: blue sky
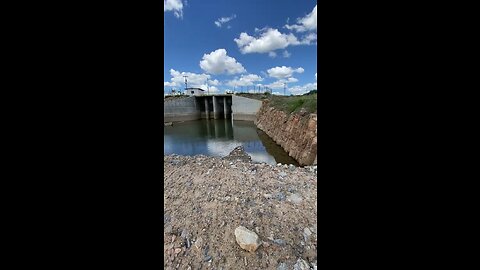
{"x":231,"y":44}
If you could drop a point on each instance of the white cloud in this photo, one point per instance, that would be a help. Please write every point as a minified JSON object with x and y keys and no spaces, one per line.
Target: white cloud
{"x":283,"y":72}
{"x":307,"y":23}
{"x":224,"y":20}
{"x":309,"y":39}
{"x":193,"y":79}
{"x":209,"y":88}
{"x":272,"y":54}
{"x":245,"y":80}
{"x":270,"y":40}
{"x":173,"y":5}
{"x":315,"y":76}
{"x":169,"y":84}
{"x":292,"y":80}
{"x":213,"y":82}
{"x":286,"y":54}
{"x":218,"y":62}
{"x":300,"y":90}
{"x":277,"y":84}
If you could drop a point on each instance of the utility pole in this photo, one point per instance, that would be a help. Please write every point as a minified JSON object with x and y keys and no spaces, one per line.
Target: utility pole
{"x":185,"y":76}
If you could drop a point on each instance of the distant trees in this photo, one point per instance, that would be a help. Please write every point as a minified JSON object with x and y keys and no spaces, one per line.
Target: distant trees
{"x":311,"y":92}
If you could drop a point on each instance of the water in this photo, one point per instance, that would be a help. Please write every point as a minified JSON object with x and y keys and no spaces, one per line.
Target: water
{"x":219,"y":137}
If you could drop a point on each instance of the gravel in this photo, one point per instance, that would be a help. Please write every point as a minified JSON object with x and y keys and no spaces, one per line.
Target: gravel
{"x":203,"y":210}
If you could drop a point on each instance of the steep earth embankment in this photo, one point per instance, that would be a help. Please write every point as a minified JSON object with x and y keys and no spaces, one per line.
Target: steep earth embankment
{"x":296,"y":132}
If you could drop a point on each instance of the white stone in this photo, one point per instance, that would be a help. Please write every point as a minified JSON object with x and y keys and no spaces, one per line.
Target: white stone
{"x":247,"y":239}
{"x":294,"y":198}
{"x":301,"y":265}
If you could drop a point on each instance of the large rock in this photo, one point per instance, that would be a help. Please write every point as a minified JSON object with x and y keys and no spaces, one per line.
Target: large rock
{"x":247,"y":239}
{"x":238,"y":153}
{"x":301,"y":265}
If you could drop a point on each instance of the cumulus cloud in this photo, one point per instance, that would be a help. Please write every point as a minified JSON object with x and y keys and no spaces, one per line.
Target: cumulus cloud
{"x":315,"y":76}
{"x":213,"y":82}
{"x":173,"y":5}
{"x":286,"y":54}
{"x":277,"y":84}
{"x":300,"y":90}
{"x":272,"y":54}
{"x":283,"y":72}
{"x":307,"y":23}
{"x":294,"y":90}
{"x":269,"y":40}
{"x":292,"y":80}
{"x":218,"y":62}
{"x":209,"y":88}
{"x":245,"y":80}
{"x":309,"y":39}
{"x":280,"y":84}
{"x":224,"y":20}
{"x":169,"y":84}
{"x":193,"y":79}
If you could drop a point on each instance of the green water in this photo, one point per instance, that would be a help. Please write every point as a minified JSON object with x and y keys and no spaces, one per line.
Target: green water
{"x":219,"y":137}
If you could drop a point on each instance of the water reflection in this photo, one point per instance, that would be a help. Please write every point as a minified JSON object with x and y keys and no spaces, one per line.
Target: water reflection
{"x":219,"y":137}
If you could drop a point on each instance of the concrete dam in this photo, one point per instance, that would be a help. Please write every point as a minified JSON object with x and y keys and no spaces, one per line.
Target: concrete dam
{"x":211,"y":107}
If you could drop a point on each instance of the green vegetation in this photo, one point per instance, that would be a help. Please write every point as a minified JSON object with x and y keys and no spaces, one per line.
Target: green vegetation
{"x":288,"y":104}
{"x":293,"y":104}
{"x":174,"y":97}
{"x":311,"y":92}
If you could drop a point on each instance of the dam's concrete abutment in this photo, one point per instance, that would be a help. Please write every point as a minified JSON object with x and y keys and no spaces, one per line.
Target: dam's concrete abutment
{"x":245,"y":108}
{"x":182,"y":109}
{"x":211,"y":107}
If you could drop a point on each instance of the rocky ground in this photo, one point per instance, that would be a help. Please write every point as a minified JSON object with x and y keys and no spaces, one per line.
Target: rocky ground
{"x":206,"y":199}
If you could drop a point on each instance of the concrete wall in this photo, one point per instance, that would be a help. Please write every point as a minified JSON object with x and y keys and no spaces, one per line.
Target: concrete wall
{"x":181,"y":109}
{"x":245,"y":108}
{"x":189,"y":108}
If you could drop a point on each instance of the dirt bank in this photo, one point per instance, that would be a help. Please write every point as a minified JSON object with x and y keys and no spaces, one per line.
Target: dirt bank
{"x":296,"y":132}
{"x":206,"y":198}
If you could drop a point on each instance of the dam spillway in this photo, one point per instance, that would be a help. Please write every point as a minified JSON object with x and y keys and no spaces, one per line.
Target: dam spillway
{"x":211,"y":107}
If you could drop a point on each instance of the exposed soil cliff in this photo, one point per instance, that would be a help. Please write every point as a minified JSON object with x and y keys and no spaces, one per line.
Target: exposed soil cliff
{"x":296,"y":132}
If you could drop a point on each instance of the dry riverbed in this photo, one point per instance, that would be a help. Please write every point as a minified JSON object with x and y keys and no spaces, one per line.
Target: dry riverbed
{"x":207,"y":198}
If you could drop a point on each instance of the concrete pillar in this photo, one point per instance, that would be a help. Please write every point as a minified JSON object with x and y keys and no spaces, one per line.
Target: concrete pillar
{"x":206,"y":108}
{"x":225,"y":107}
{"x":215,"y":108}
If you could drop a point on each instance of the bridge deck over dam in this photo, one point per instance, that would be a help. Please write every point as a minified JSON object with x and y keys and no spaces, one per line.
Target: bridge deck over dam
{"x":211,"y":107}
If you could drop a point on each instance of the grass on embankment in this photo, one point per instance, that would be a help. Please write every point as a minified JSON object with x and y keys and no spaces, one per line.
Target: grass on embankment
{"x":289,"y":104}
{"x":174,"y":97}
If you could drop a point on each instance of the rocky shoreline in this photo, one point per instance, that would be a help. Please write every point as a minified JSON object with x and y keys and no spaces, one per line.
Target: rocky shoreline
{"x":207,"y":198}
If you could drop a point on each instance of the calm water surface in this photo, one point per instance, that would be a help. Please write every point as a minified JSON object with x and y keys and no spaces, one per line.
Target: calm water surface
{"x":219,"y":137}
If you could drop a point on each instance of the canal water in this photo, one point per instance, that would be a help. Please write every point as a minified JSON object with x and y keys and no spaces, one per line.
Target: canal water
{"x":219,"y":137}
